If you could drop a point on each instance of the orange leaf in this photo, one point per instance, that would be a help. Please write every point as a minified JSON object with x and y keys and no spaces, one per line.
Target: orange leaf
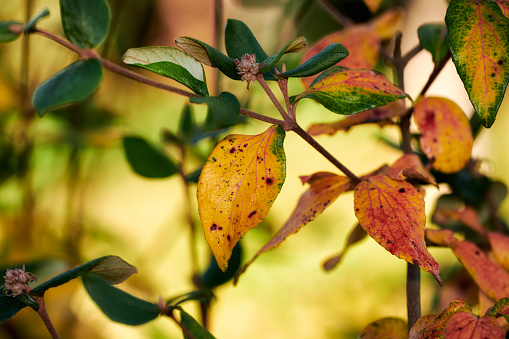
{"x":467,"y":325}
{"x":373,"y":5}
{"x":237,"y":186}
{"x":381,"y":115}
{"x":386,"y":24}
{"x":386,"y":328}
{"x":433,"y":326}
{"x":362,"y":42}
{"x":392,"y":212}
{"x":489,"y":276}
{"x":323,"y":191}
{"x":410,"y":166}
{"x":446,"y":133}
{"x":500,"y":245}
{"x":466,"y":215}
{"x":440,"y":237}
{"x":356,"y":235}
{"x":478,"y":34}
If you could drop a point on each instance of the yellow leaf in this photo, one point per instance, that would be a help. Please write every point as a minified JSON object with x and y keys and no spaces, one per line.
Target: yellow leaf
{"x":446,"y":133}
{"x":373,"y":5}
{"x":238,"y":184}
{"x":392,"y":212}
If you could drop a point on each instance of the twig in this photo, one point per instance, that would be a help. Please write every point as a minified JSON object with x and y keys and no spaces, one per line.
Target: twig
{"x":273,"y":98}
{"x":343,"y":20}
{"x":45,"y":318}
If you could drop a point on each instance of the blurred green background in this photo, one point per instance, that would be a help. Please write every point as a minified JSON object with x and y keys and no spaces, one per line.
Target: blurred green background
{"x":68,"y":194}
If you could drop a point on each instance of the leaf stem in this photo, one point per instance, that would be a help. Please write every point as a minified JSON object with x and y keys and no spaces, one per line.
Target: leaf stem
{"x":185,"y":330}
{"x":41,"y":311}
{"x":273,"y":98}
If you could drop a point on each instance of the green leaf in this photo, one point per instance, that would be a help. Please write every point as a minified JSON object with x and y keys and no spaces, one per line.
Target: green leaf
{"x":433,"y":38}
{"x":326,"y":58}
{"x":85,"y":22}
{"x":74,"y":83}
{"x":9,"y":306}
{"x":187,"y":126}
{"x":239,"y":40}
{"x":113,"y":269}
{"x":29,"y":301}
{"x":208,"y":55}
{"x":346,"y":91}
{"x":146,"y":160}
{"x":6,"y":35}
{"x":35,"y":19}
{"x":478,"y":34}
{"x":294,"y":46}
{"x":194,"y":328}
{"x":69,"y":275}
{"x":118,"y":305}
{"x":214,"y":276}
{"x":170,"y":62}
{"x":224,"y":110}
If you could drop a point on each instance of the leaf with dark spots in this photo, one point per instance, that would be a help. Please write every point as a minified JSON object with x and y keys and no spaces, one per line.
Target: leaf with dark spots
{"x":501,"y":308}
{"x":356,"y":235}
{"x":491,"y":278}
{"x":230,"y":187}
{"x":401,"y":220}
{"x":324,"y":189}
{"x":446,"y":133}
{"x":478,"y":34}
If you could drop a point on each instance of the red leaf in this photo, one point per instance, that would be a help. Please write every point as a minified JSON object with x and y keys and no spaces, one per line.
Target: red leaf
{"x":504,"y":5}
{"x":392,"y":213}
{"x":489,"y":276}
{"x":324,"y":190}
{"x":446,"y":133}
{"x":466,"y":325}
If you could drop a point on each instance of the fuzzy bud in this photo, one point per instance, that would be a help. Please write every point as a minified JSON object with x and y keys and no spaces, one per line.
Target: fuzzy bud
{"x":248,"y":68}
{"x":16,"y":281}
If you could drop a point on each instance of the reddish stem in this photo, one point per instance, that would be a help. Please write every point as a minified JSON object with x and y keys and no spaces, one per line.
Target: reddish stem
{"x":45,"y":318}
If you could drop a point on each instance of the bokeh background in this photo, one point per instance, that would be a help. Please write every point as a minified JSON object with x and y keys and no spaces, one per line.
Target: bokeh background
{"x":67,"y":194}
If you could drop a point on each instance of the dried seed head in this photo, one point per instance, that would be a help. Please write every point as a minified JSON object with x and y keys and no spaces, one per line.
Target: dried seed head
{"x":248,"y":68}
{"x":16,"y":281}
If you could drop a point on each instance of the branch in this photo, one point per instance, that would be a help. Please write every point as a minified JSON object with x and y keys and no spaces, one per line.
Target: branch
{"x":343,"y":20}
{"x":45,"y":318}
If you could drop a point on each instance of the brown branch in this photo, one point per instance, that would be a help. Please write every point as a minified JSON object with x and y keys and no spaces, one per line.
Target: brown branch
{"x":45,"y":318}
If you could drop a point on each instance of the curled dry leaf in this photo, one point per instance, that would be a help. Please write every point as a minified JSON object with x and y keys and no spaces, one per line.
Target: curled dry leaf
{"x":356,"y":235}
{"x":323,"y":191}
{"x":238,"y":184}
{"x":446,"y":133}
{"x":410,"y":166}
{"x":382,"y":116}
{"x":489,"y":276}
{"x":392,"y":212}
{"x":500,"y":246}
{"x":433,"y":326}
